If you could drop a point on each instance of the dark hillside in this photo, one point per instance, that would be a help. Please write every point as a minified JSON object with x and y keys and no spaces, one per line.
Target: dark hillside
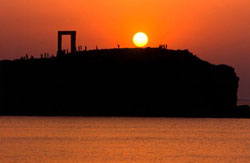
{"x":119,"y":82}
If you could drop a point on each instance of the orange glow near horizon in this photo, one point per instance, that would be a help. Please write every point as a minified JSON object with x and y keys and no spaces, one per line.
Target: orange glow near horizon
{"x":214,"y":30}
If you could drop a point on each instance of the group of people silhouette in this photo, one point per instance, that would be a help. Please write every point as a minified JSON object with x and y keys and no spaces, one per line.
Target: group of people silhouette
{"x":162,"y":46}
{"x":80,"y":49}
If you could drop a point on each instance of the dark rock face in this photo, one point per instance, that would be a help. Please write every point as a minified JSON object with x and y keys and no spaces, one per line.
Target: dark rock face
{"x":119,"y":82}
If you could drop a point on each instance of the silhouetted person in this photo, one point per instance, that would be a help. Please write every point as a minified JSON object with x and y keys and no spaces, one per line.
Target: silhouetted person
{"x":96,"y":47}
{"x":79,"y":48}
{"x":166,"y":46}
{"x":26,"y":57}
{"x":118,"y":45}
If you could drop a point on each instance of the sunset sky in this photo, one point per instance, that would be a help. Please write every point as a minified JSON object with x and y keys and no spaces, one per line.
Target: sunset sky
{"x":215,"y":30}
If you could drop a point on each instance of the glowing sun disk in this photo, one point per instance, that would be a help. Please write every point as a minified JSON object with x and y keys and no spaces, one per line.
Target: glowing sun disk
{"x":140,"y":39}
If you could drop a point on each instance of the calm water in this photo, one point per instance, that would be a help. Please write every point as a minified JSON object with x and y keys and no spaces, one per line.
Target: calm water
{"x":68,"y":139}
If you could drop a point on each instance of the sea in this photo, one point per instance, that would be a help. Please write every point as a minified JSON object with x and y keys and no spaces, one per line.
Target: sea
{"x":123,"y":139}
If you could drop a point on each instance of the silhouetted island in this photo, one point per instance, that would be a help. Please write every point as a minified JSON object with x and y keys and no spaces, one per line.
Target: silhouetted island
{"x":119,"y":82}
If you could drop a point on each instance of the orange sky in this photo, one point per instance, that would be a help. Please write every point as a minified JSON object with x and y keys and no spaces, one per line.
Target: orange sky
{"x":215,"y":30}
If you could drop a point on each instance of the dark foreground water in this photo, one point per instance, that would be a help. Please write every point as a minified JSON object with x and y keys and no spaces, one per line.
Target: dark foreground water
{"x":81,"y":139}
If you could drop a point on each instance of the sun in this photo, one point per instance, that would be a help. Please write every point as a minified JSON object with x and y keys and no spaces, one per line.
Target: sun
{"x":140,"y":39}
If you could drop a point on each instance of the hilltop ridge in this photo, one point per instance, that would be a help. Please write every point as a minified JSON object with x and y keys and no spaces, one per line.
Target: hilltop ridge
{"x":120,"y":82}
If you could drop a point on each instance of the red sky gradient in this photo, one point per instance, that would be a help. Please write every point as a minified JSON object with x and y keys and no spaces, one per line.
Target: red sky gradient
{"x":215,"y":30}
